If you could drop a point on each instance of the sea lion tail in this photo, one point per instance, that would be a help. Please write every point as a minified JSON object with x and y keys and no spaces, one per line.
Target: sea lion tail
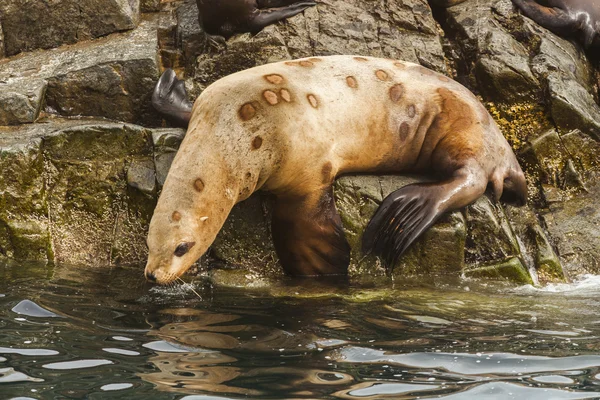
{"x":170,"y":99}
{"x":400,"y":219}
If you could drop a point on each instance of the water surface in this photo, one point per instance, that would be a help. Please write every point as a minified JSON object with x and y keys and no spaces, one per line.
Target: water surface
{"x":80,"y":333}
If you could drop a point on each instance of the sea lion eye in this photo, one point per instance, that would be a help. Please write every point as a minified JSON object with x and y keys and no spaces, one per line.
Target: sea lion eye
{"x":183,"y":248}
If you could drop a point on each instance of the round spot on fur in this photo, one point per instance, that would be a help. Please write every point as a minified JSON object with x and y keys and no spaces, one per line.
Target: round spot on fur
{"x":176,"y":216}
{"x":443,"y":78}
{"x":271,"y":97}
{"x":381,"y":75}
{"x":396,"y":92}
{"x":425,"y":71}
{"x":412,"y":111}
{"x":248,"y":175}
{"x":256,"y":143}
{"x":326,"y":172}
{"x":247,"y":111}
{"x":400,"y":65}
{"x":361,"y":59}
{"x":275,"y":79}
{"x":285,"y":95}
{"x":306,"y":63}
{"x":351,"y":81}
{"x":312,"y":100}
{"x":404,"y":128}
{"x":199,"y":185}
{"x":292,"y":63}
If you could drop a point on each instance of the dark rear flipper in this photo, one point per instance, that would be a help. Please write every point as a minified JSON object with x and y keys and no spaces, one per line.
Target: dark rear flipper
{"x":402,"y":217}
{"x":170,"y":99}
{"x":269,"y":16}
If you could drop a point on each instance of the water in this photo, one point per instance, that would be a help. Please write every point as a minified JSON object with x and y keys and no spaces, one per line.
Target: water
{"x":79,"y":333}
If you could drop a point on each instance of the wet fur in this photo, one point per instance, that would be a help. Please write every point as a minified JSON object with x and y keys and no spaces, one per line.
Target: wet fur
{"x":227,"y":17}
{"x":569,"y":18}
{"x":291,"y":127}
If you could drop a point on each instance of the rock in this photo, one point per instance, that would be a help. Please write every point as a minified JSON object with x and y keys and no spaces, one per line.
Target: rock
{"x":21,"y":101}
{"x":573,"y":106}
{"x":489,"y":235}
{"x":401,"y":30}
{"x":111,"y":77}
{"x":511,"y":270}
{"x":33,"y":25}
{"x":166,"y":143}
{"x":554,"y":162}
{"x":149,"y":5}
{"x":68,"y":199}
{"x":24,"y":222}
{"x":190,"y":36}
{"x":439,"y":251}
{"x":142,"y":176}
{"x":575,"y":228}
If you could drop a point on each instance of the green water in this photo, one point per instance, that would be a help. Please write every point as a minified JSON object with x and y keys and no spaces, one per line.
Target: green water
{"x":80,"y":333}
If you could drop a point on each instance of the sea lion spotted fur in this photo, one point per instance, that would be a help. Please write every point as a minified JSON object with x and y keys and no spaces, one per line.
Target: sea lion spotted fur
{"x":291,"y":127}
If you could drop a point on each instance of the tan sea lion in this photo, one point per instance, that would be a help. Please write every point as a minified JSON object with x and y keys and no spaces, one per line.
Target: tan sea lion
{"x":291,"y":127}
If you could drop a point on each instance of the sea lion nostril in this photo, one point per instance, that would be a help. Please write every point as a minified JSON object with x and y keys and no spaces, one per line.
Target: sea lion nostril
{"x":150,"y":277}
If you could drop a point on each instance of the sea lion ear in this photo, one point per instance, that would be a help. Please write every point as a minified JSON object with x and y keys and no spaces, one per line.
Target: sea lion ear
{"x":308,"y":235}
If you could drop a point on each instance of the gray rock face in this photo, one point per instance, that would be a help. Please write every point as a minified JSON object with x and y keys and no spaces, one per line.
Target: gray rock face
{"x":83,"y":191}
{"x":111,"y":77}
{"x":45,"y":24}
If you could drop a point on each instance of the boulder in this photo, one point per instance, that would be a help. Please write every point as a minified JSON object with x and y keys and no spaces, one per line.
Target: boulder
{"x":30,"y":25}
{"x":111,"y":77}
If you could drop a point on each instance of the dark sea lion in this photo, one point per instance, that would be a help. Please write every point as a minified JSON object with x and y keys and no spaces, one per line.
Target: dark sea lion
{"x":228,"y":17}
{"x":170,"y":99}
{"x":569,"y":18}
{"x":291,"y":127}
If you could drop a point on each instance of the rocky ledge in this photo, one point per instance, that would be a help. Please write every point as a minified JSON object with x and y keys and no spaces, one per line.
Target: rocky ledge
{"x":83,"y":156}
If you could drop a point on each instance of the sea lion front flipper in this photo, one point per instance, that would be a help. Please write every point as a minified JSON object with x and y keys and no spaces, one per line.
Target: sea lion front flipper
{"x":553,"y":18}
{"x":308,"y":235}
{"x":170,"y":99}
{"x":266,"y":17}
{"x":406,"y":213}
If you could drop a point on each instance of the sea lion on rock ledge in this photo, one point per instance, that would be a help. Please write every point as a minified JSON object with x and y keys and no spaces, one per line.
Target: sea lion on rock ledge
{"x":566,"y":18}
{"x":291,"y":127}
{"x":227,"y":17}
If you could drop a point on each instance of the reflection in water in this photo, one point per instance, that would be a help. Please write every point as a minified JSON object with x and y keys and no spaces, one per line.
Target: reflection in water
{"x":116,"y":338}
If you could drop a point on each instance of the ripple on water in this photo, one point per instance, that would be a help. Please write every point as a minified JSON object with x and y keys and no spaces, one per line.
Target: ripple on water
{"x":77,"y":364}
{"x":122,"y":338}
{"x":366,"y":390}
{"x":558,"y":379}
{"x":506,"y":391}
{"x":472,"y":364}
{"x":166,"y":347}
{"x":29,"y":308}
{"x":28,"y":352}
{"x":116,"y":386}
{"x":9,"y":375}
{"x":121,"y":351}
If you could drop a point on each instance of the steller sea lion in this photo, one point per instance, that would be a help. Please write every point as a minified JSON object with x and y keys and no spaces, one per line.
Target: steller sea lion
{"x":580,"y":18}
{"x":227,"y":17}
{"x":291,"y":127}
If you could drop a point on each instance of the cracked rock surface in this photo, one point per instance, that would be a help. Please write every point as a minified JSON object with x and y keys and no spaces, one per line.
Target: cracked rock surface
{"x":83,"y":156}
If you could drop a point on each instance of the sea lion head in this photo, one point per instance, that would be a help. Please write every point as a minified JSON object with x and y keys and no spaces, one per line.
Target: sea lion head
{"x":176,"y":239}
{"x":186,"y":220}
